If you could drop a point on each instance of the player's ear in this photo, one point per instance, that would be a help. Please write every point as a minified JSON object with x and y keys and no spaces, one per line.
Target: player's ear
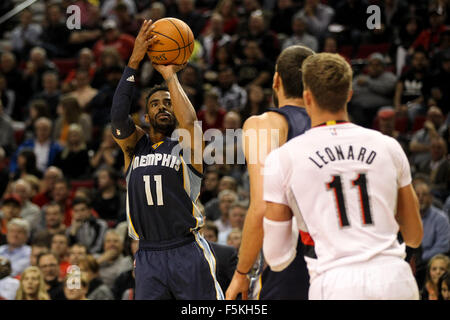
{"x":147,"y":119}
{"x":276,"y":81}
{"x":350,"y":95}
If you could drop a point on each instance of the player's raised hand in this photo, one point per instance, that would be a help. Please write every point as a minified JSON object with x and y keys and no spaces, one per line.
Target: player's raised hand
{"x":167,"y":71}
{"x":143,"y":41}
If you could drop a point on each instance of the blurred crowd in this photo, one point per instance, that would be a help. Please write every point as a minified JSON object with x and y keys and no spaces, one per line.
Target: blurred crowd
{"x":62,"y":189}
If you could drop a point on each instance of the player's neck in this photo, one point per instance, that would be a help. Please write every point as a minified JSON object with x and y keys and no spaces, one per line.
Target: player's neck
{"x":318,"y":118}
{"x":298,"y":102}
{"x":155,"y":136}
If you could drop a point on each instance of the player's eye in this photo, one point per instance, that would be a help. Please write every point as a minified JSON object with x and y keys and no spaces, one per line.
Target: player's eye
{"x":168,"y":103}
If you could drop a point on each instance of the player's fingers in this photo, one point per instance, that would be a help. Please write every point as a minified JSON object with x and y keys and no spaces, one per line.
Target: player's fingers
{"x":230,"y":295}
{"x":147,"y":25}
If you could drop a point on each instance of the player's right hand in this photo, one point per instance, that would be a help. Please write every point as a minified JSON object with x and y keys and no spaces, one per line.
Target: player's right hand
{"x":143,"y":41}
{"x":239,"y":284}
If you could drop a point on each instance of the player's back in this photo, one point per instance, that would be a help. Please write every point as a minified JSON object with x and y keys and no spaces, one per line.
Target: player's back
{"x":342,"y":181}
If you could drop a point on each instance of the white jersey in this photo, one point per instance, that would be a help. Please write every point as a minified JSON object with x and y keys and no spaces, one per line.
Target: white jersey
{"x":341,"y":183}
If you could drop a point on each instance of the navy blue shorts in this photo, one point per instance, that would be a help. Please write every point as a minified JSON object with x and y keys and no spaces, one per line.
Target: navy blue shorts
{"x":290,"y":284}
{"x":183,"y":269}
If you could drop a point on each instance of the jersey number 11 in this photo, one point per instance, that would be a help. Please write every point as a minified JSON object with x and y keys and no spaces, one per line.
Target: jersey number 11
{"x":361,"y":184}
{"x":148,"y":191}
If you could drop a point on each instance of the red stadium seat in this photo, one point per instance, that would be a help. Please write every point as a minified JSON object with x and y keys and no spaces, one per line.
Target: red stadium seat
{"x":366,"y":50}
{"x":65,"y":65}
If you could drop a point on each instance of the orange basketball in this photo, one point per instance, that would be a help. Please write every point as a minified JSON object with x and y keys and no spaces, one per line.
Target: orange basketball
{"x":174,"y":44}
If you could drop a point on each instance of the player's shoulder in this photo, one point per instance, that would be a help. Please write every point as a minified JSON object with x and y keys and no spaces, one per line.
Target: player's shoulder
{"x":267,"y":120}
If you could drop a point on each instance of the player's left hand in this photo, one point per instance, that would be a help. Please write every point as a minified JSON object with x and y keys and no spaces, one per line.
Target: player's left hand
{"x":167,"y":71}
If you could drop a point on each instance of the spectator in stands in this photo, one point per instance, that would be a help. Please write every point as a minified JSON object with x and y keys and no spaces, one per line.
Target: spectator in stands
{"x":38,"y":247}
{"x":61,"y":194}
{"x":77,"y":252}
{"x":109,"y":57}
{"x":7,"y":138}
{"x":37,"y":64}
{"x":440,"y":84}
{"x":112,"y":261}
{"x":257,"y":102}
{"x":234,"y":238}
{"x":4,"y":173}
{"x":437,"y":266}
{"x":83,"y":90}
{"x":386,"y":125}
{"x":408,"y":32}
{"x":125,"y":20}
{"x":191,"y":79}
{"x":70,"y":113}
{"x":60,"y":247}
{"x":223,"y":59}
{"x":49,"y":266}
{"x":44,"y":148}
{"x":72,"y":292}
{"x":210,"y":231}
{"x":124,"y":283}
{"x":108,"y":153}
{"x":109,"y":199}
{"x":212,"y":114}
{"x":8,"y":284}
{"x":113,"y":37}
{"x":220,"y":217}
{"x":258,"y":31}
{"x":300,"y":36}
{"x":436,"y":227}
{"x":210,"y":186}
{"x":85,"y":62}
{"x":14,"y":80}
{"x":412,"y":86}
{"x":429,"y":38}
{"x":213,"y":39}
{"x":26,"y":164}
{"x":236,"y":217}
{"x":186,"y":11}
{"x":74,"y":159}
{"x":26,"y":35}
{"x":372,"y":90}
{"x":85,"y":228}
{"x":44,"y":196}
{"x":7,"y":96}
{"x":228,"y":10}
{"x":10,"y":209}
{"x":38,"y":108}
{"x":283,"y":14}
{"x":97,"y":289}
{"x":231,"y":95}
{"x":32,"y":285}
{"x":318,"y":16}
{"x":107,"y":7}
{"x":347,"y":14}
{"x":437,"y":166}
{"x":254,"y":68}
{"x":91,"y":29}
{"x":51,"y":92}
{"x":16,"y":250}
{"x":421,"y":140}
{"x":29,"y":211}
{"x":54,"y":218}
{"x":444,"y":286}
{"x":55,"y":35}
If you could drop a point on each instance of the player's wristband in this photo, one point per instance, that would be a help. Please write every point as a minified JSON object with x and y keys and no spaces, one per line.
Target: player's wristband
{"x":241,"y":273}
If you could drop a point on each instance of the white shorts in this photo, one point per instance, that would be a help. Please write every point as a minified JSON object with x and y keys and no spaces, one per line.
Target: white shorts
{"x":382,"y":279}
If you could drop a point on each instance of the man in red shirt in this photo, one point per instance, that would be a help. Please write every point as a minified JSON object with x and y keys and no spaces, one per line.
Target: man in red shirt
{"x":429,"y":38}
{"x":113,"y":37}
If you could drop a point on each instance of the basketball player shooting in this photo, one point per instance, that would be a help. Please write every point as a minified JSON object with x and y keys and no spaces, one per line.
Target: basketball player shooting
{"x":173,"y":260}
{"x":358,"y":196}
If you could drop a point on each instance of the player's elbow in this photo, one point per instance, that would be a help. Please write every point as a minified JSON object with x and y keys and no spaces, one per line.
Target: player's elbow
{"x":278,"y":247}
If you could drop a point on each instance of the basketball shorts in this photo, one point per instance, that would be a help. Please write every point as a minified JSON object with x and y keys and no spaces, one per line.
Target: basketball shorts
{"x":385,"y":278}
{"x":290,"y":284}
{"x":183,"y":269}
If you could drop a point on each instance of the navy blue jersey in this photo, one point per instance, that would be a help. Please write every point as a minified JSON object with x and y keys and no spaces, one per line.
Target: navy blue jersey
{"x":297,"y":118}
{"x":161,"y":192}
{"x":293,"y":282}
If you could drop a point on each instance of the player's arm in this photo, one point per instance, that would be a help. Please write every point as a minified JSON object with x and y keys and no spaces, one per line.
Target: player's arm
{"x":408,"y":216}
{"x":256,"y":146}
{"x":185,"y":114}
{"x":124,"y":131}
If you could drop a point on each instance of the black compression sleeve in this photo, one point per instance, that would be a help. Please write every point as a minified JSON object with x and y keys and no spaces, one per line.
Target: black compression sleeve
{"x":121,"y":122}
